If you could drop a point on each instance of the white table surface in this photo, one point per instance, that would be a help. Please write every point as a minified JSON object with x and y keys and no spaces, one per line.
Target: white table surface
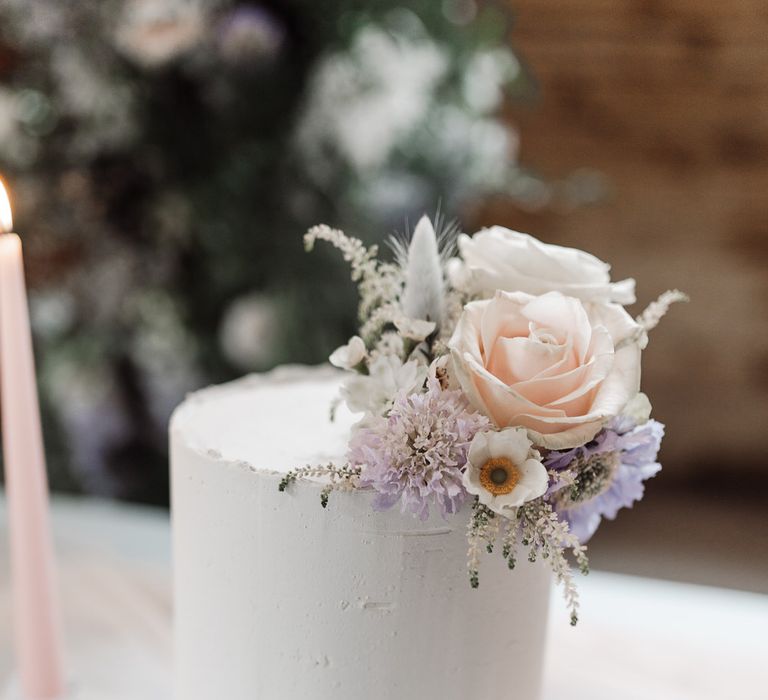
{"x":638,"y":639}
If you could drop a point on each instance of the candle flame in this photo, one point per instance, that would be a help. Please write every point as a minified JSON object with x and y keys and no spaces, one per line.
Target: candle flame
{"x":6,"y":216}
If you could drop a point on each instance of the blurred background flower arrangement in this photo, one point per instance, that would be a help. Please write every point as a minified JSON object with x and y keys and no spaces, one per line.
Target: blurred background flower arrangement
{"x":166,"y":157}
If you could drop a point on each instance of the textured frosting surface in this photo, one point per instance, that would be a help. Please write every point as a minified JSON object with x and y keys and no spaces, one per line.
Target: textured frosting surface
{"x":273,"y":422}
{"x":277,"y":598}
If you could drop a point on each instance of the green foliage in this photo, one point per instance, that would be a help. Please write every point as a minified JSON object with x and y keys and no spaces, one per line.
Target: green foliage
{"x":164,"y":179}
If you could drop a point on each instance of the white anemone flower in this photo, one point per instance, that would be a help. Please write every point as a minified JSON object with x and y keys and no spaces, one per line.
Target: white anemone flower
{"x":504,"y":470}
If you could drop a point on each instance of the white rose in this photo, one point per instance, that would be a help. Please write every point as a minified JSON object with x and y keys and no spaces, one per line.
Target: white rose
{"x":500,"y":259}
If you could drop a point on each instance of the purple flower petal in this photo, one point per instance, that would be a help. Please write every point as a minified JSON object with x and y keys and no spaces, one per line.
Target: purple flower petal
{"x":637,"y":448}
{"x":416,"y":454}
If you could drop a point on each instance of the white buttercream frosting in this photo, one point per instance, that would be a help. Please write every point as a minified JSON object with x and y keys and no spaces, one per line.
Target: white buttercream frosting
{"x":272,"y":422}
{"x":277,"y":598}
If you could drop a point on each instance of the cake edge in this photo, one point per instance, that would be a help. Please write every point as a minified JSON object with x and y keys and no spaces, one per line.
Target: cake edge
{"x":283,"y":374}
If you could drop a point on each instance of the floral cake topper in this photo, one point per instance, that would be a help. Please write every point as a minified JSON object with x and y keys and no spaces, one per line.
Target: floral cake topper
{"x":499,"y":371}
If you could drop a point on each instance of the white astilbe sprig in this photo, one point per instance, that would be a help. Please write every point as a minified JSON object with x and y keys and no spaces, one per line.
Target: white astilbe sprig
{"x":390,"y":343}
{"x":377,"y":320}
{"x":649,"y":319}
{"x":362,"y":260}
{"x":656,"y":310}
{"x":454,"y":307}
{"x":545,"y":534}
{"x":379,"y":283}
{"x":482,"y":532}
{"x":538,"y":528}
{"x":509,"y":540}
{"x":340,"y":478}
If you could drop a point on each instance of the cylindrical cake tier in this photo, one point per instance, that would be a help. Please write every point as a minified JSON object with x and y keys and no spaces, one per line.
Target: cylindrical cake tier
{"x":277,"y":598}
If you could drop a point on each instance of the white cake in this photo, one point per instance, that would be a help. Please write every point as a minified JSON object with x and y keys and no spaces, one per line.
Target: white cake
{"x":279,"y":599}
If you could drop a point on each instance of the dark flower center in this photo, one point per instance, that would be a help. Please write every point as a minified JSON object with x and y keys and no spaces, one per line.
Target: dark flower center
{"x":499,"y":476}
{"x":594,"y":476}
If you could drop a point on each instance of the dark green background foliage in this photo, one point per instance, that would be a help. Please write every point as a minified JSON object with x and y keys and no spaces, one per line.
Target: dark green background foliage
{"x":156,"y":193}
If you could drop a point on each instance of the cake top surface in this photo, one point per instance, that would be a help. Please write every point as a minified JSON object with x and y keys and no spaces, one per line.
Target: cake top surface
{"x":273,"y":422}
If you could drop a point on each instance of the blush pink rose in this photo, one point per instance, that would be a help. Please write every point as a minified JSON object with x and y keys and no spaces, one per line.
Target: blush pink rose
{"x":547,"y":363}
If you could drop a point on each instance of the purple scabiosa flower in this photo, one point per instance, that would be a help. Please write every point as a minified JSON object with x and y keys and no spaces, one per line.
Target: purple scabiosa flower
{"x":611,"y":471}
{"x":416,"y":453}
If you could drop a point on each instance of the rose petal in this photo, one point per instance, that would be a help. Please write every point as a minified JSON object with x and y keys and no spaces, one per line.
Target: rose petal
{"x":502,"y":321}
{"x":555,"y":310}
{"x":517,"y":359}
{"x":562,"y":374}
{"x":550,"y":391}
{"x":498,"y":258}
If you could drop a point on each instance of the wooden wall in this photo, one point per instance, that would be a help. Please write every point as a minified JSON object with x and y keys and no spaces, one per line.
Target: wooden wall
{"x":669,"y":99}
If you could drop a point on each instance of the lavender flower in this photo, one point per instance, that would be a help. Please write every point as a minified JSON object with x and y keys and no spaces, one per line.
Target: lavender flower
{"x":417,"y":452}
{"x":610,"y":469}
{"x":250,"y":33}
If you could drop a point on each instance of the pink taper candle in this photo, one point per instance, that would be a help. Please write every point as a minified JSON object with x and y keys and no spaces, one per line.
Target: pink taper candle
{"x":36,"y":615}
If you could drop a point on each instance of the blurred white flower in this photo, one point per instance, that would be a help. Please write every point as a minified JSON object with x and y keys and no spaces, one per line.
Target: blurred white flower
{"x":480,"y":150}
{"x":52,"y":313}
{"x":42,"y":21}
{"x":485,"y":77}
{"x":249,"y":330}
{"x":364,"y":101}
{"x":394,"y":190}
{"x":94,"y":97}
{"x":17,"y":146}
{"x":153,"y":33}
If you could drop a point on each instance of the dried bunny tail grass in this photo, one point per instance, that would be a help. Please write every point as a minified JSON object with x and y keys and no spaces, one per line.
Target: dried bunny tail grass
{"x":377,"y":320}
{"x":656,"y":310}
{"x":424,"y":290}
{"x":447,"y":232}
